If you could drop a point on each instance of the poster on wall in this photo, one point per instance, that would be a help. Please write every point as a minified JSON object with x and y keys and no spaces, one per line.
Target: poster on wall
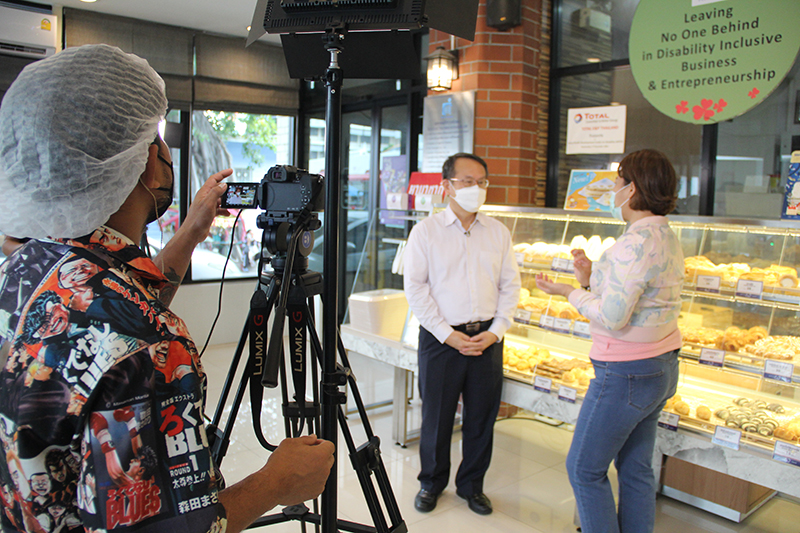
{"x":596,"y":130}
{"x":590,"y":190}
{"x":448,"y":127}
{"x":394,"y":180}
{"x":791,"y":198}
{"x":705,"y":61}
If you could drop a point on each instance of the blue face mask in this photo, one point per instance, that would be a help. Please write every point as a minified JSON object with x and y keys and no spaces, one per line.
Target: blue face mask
{"x":616,"y":211}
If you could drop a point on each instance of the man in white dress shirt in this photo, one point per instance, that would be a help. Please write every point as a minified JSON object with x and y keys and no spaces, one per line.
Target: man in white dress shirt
{"x":462,"y":283}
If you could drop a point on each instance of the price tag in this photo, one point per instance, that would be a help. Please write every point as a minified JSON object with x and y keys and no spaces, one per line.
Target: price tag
{"x":562,"y":325}
{"x":520,"y":257}
{"x":547,"y":321}
{"x":581,"y":329}
{"x":712,"y":357}
{"x":568,"y":394}
{"x":708,"y":284}
{"x":786,"y":453}
{"x":522,"y":315}
{"x":668,"y":420}
{"x":542,"y":384}
{"x":778,"y":370}
{"x":727,"y":437}
{"x":560,"y":264}
{"x":749,"y":289}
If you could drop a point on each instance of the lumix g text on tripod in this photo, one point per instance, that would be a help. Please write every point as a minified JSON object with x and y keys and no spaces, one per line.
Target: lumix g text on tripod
{"x":290,"y":199}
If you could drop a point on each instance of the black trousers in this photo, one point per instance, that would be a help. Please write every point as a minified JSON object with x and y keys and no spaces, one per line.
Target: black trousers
{"x":444,"y":375}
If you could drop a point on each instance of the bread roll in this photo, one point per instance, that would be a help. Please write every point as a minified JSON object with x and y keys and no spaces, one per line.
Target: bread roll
{"x":681,"y":407}
{"x":703,"y":412}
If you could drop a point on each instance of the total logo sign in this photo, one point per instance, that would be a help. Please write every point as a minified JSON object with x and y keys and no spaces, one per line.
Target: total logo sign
{"x":590,"y":117}
{"x":596,"y":130}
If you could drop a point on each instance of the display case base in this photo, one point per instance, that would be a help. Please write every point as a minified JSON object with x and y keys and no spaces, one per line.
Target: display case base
{"x":715,"y":492}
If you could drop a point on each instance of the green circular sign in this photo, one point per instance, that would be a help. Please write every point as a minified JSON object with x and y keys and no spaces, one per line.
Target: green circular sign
{"x":704,"y":61}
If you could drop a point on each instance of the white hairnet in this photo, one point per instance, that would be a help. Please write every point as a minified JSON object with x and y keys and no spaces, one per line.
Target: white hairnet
{"x":74,"y":133}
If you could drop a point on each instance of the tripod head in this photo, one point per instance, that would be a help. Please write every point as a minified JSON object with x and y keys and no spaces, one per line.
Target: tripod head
{"x":277,"y":240}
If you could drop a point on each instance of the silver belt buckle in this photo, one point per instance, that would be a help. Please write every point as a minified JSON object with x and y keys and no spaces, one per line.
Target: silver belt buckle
{"x":473,"y":327}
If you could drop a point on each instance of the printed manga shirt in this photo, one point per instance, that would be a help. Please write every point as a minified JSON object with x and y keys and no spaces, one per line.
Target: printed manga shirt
{"x":101,"y":395}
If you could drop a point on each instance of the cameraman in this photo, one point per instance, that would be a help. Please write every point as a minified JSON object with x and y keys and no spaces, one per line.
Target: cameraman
{"x":91,"y":348}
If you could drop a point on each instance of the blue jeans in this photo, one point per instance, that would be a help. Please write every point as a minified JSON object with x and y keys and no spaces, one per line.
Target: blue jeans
{"x":618,"y":421}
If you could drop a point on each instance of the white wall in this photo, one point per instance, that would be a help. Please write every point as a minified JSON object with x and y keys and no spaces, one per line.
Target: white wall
{"x":197,"y":304}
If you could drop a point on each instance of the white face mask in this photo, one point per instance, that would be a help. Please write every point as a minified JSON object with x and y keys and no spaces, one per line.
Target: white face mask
{"x":616,"y":211}
{"x":470,"y":198}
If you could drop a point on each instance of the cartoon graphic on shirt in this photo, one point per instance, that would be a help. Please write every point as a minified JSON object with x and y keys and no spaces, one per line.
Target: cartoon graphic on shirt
{"x":101,"y":397}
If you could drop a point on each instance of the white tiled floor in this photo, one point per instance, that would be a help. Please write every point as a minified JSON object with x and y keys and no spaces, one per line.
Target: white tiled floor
{"x":527,"y":481}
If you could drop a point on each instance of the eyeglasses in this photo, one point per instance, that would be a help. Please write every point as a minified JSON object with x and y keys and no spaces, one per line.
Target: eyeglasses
{"x":482,"y":183}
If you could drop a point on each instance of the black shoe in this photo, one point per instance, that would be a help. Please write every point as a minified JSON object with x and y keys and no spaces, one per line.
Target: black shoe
{"x":425,"y":502}
{"x":478,"y":503}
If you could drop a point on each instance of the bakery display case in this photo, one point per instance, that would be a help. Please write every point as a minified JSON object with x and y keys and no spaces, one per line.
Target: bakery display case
{"x":740,"y":319}
{"x":737,"y":409}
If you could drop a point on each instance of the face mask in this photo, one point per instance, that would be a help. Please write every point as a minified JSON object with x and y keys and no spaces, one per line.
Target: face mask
{"x":470,"y":198}
{"x":159,"y":207}
{"x":616,"y":211}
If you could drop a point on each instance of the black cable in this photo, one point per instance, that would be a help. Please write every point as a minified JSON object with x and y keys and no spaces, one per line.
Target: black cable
{"x":222,"y":283}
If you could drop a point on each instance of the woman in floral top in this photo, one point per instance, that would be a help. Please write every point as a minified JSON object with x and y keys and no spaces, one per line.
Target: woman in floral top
{"x":631,"y":296}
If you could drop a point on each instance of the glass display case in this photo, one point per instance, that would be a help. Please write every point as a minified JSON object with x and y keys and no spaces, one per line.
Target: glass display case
{"x":740,"y":319}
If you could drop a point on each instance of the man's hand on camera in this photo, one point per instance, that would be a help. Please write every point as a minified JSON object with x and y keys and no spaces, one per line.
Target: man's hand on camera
{"x":206,"y":206}
{"x":174,"y":259}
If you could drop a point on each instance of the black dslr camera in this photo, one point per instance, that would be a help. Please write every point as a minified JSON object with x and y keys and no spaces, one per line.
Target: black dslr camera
{"x":283,"y":194}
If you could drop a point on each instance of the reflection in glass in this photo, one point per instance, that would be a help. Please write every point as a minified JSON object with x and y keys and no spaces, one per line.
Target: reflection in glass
{"x":753,"y":152}
{"x":646,"y":128}
{"x":250,"y":144}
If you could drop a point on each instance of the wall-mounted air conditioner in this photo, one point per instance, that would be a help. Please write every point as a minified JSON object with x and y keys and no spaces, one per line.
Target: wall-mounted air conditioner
{"x":27,"y":33}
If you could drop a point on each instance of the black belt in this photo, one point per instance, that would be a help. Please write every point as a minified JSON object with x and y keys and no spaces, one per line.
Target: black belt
{"x":473,"y":328}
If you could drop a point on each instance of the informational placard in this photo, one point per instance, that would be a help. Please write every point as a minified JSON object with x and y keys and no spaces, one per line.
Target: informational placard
{"x":582,"y":329}
{"x":523,"y":316}
{"x":748,"y":288}
{"x":547,"y":322}
{"x":727,"y":437}
{"x":448,"y":127}
{"x":590,"y":190}
{"x":703,"y":62}
{"x":567,"y":394}
{"x":562,"y":325}
{"x":791,"y":198}
{"x":668,"y":420}
{"x":543,"y":384}
{"x":708,"y":284}
{"x":786,"y":453}
{"x":565,"y":266}
{"x":712,"y":357}
{"x":778,"y":370}
{"x":596,"y":130}
{"x":519,"y":257}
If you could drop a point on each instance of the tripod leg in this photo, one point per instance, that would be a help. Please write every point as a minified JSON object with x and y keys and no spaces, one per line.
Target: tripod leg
{"x":220,"y":438}
{"x":367,"y":458}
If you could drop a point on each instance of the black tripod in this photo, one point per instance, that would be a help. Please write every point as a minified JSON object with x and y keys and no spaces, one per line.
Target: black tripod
{"x":290,"y":290}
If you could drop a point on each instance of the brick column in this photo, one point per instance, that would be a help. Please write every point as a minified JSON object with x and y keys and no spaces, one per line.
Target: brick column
{"x":510,"y":71}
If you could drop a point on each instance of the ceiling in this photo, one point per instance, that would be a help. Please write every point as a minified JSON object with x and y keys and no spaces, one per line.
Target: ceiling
{"x":229,"y":17}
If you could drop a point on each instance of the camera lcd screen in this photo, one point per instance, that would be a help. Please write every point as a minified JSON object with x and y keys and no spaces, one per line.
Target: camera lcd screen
{"x":240,"y":195}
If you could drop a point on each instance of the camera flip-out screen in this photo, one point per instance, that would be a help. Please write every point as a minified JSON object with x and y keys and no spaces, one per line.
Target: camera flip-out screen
{"x":241,"y":195}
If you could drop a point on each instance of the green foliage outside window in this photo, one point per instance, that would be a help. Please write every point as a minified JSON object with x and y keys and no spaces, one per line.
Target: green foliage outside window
{"x":256,"y":132}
